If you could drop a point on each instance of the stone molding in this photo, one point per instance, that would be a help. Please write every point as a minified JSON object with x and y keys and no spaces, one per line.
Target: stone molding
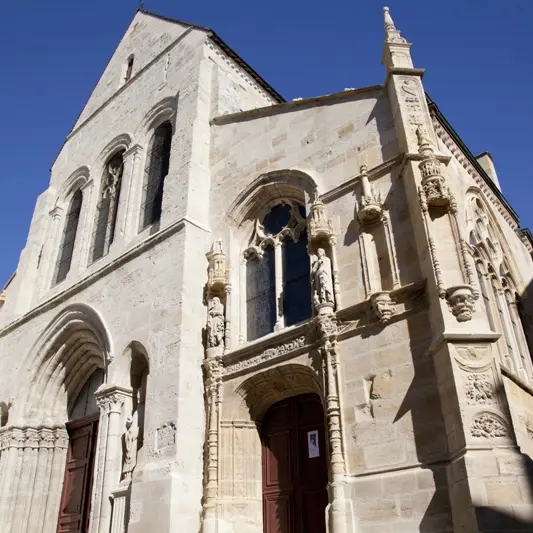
{"x":33,"y":437}
{"x":115,"y":263}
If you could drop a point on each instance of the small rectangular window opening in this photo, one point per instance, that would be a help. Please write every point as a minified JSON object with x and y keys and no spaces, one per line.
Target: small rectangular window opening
{"x":129,"y":69}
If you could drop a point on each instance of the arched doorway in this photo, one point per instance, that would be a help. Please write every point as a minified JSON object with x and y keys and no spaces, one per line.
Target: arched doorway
{"x":295,"y":468}
{"x":82,"y":429}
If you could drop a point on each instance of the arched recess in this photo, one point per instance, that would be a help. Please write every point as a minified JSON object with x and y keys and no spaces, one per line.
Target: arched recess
{"x":74,"y":345}
{"x":499,"y":283}
{"x":243,"y":409}
{"x":269,"y":188}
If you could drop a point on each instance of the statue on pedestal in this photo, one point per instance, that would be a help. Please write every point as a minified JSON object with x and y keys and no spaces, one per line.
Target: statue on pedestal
{"x":323,"y":280}
{"x":215,"y":323}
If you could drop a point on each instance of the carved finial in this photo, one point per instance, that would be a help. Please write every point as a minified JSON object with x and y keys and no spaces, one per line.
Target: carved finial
{"x":424,"y":142}
{"x":389,"y":23}
{"x":363,"y":169}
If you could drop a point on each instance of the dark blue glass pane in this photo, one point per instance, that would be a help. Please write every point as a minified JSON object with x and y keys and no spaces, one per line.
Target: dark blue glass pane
{"x":297,"y":288}
{"x":260,"y":295}
{"x":276,"y":219}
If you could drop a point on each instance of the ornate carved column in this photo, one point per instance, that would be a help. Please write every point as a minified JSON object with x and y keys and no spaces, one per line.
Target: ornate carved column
{"x":33,"y":466}
{"x":337,"y":508}
{"x":110,"y":401}
{"x":130,"y":206}
{"x":213,"y":369}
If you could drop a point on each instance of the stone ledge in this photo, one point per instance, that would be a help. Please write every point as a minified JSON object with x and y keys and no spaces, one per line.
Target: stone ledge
{"x":127,"y":256}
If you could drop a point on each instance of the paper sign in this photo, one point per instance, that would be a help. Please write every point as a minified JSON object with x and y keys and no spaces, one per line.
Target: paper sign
{"x":312,"y":444}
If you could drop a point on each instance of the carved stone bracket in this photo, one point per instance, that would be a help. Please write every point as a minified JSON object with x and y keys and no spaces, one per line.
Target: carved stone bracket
{"x":433,"y":183}
{"x":383,"y":306}
{"x":217,"y":273}
{"x":461,"y":300}
{"x":370,"y":204}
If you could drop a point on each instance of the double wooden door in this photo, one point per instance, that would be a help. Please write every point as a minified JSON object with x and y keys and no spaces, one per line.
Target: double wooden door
{"x":295,"y":472}
{"x":77,"y":485}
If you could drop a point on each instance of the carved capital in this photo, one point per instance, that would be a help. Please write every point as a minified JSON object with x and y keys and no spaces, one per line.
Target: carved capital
{"x":110,"y":400}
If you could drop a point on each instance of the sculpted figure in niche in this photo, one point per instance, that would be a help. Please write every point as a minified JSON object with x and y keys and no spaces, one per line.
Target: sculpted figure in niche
{"x":215,"y":323}
{"x":115,"y":168}
{"x":323,"y":279}
{"x":130,"y":446}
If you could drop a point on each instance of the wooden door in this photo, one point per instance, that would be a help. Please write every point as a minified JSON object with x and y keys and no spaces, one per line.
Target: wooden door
{"x":77,"y":485}
{"x":295,"y":471}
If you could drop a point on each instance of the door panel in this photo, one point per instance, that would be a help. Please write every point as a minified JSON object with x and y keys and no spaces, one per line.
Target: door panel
{"x":77,"y":485}
{"x":294,"y":467}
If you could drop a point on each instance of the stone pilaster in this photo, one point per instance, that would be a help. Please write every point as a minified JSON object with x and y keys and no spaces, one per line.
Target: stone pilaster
{"x":110,"y":401}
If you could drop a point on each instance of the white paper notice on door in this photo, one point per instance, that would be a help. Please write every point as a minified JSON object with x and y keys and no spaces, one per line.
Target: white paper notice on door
{"x":312,"y":444}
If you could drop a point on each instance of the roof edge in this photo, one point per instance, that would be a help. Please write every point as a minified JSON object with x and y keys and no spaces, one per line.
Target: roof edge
{"x":471,"y":158}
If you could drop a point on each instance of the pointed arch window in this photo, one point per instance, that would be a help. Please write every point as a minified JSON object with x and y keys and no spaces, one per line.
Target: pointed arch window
{"x":156,"y":172}
{"x":107,"y":209}
{"x":68,"y":239}
{"x":278,"y":292}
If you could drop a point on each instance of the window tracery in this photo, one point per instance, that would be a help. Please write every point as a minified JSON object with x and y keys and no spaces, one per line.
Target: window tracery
{"x":107,"y":209}
{"x":277,"y":271}
{"x":497,"y":288}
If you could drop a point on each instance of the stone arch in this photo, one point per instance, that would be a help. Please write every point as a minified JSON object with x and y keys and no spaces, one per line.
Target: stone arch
{"x":259,"y":392}
{"x":78,"y":179}
{"x":120,"y":368}
{"x":258,"y":197}
{"x":64,"y":356}
{"x":120,"y":142}
{"x":164,"y":110}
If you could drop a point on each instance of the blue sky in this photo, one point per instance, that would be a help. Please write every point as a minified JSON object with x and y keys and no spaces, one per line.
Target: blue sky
{"x":477,"y":55}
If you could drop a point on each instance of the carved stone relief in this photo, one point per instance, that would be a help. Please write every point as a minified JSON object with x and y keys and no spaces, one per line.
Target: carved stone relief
{"x":479,"y":389}
{"x":166,"y":436}
{"x":382,"y":306}
{"x":488,"y":426}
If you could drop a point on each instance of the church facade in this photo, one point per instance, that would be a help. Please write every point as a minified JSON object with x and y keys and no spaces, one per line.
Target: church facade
{"x":235,"y":313}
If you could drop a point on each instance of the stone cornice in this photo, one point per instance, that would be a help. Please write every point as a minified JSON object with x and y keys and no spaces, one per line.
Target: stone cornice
{"x":462,"y":338}
{"x":286,"y":107}
{"x":351,"y":183}
{"x":127,"y":256}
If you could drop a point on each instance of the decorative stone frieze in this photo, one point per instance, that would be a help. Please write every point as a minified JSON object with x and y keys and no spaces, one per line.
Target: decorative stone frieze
{"x":30,"y":437}
{"x":487,"y":425}
{"x":461,"y":300}
{"x":265,"y":356}
{"x":383,"y":306}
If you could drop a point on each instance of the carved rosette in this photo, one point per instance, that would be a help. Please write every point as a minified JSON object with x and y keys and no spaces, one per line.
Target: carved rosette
{"x":370,"y":203}
{"x":318,"y":223}
{"x":461,"y":300}
{"x":433,"y":183}
{"x":382,"y":306}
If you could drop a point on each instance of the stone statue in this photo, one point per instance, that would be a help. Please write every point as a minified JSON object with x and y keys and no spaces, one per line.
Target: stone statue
{"x":130,"y":446}
{"x":215,"y":323}
{"x":323,"y":279}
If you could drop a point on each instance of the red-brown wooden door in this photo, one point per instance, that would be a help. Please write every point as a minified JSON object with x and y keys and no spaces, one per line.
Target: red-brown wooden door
{"x":77,"y":485}
{"x":295,"y":473}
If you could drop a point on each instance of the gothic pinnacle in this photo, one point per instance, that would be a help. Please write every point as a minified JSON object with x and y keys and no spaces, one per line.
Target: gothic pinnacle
{"x":389,"y":23}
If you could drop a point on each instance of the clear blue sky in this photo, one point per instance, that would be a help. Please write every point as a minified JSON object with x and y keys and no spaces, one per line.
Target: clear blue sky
{"x":477,"y":55}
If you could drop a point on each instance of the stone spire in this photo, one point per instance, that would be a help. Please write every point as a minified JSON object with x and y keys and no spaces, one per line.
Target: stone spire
{"x":395,"y":48}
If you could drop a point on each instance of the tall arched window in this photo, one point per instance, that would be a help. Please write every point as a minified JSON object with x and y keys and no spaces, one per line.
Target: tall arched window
{"x":107,"y":209}
{"x":157,"y":170}
{"x":68,"y":240}
{"x":278,"y":292}
{"x":497,"y":288}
